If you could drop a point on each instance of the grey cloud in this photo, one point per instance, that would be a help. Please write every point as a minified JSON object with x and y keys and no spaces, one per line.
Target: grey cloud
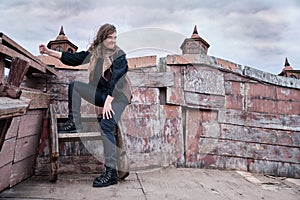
{"x":236,"y":29}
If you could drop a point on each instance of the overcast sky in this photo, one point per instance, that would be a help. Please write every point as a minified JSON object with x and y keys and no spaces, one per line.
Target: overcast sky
{"x":255,"y":33}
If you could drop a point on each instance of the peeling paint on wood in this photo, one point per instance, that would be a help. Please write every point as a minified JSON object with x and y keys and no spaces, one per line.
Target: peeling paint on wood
{"x":203,"y":80}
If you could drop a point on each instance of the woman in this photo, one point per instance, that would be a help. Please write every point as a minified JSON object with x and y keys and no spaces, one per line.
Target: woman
{"x":108,"y":87}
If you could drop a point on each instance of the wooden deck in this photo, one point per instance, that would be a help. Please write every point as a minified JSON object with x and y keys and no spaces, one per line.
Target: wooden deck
{"x":169,"y":183}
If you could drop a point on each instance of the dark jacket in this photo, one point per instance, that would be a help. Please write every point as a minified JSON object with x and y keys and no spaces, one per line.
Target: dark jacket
{"x":115,"y":79}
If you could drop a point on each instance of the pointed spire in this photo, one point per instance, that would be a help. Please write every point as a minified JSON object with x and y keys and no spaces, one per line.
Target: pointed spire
{"x":61,"y":35}
{"x":195,"y":33}
{"x":286,"y":62}
{"x":61,"y":31}
{"x":195,"y":30}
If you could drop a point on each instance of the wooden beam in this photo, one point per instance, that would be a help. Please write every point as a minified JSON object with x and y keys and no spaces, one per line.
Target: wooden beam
{"x":12,"y":53}
{"x":12,"y":107}
{"x":16,"y":48}
{"x":13,"y":45}
{"x":38,"y":66}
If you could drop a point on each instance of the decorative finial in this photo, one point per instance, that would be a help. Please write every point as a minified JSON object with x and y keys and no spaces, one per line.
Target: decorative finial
{"x":195,"y":30}
{"x":195,"y":33}
{"x":61,"y":31}
{"x":287,"y":62}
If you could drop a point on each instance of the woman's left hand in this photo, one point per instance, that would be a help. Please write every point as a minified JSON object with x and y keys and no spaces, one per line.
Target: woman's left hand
{"x":107,"y":108}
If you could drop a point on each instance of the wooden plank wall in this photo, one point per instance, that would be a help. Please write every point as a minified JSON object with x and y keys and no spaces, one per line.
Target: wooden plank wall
{"x":18,"y":154}
{"x":237,"y":117}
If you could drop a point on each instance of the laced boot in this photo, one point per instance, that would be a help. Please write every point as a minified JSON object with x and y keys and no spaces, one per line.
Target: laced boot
{"x":101,"y":175}
{"x":108,"y":177}
{"x":70,"y":127}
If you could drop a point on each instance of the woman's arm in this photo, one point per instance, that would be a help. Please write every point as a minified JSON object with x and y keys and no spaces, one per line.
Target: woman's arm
{"x":119,"y":69}
{"x":72,"y":59}
{"x":44,"y":50}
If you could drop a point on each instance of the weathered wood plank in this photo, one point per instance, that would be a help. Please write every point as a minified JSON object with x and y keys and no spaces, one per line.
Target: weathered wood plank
{"x":186,"y":59}
{"x":31,"y":123}
{"x":151,"y":79}
{"x":237,"y":78}
{"x":39,"y":99}
{"x":5,"y":176}
{"x":12,"y":107}
{"x":12,"y":44}
{"x":13,"y":129}
{"x":34,"y":62}
{"x":203,"y":79}
{"x":54,"y":148}
{"x":245,"y":164}
{"x":79,"y":136}
{"x":83,"y":116}
{"x":246,"y":150}
{"x":260,"y":120}
{"x":206,"y":101}
{"x":259,"y":135}
{"x":141,"y":62}
{"x":26,"y":147}
{"x":22,"y":170}
{"x":7,"y":152}
{"x":12,"y":54}
{"x":284,"y":169}
{"x":18,"y":69}
{"x":271,"y":78}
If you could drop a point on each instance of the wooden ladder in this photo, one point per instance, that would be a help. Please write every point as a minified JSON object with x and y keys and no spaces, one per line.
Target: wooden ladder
{"x":55,"y":138}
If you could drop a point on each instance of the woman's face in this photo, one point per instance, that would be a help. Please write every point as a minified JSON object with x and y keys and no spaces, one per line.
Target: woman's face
{"x":110,"y":41}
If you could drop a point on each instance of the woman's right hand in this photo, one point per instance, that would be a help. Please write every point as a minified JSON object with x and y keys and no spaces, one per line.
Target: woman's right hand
{"x":43,"y":49}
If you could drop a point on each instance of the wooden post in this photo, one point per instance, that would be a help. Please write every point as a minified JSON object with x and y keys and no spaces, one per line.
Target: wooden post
{"x":17,"y":71}
{"x":53,"y":141}
{"x":2,"y":67}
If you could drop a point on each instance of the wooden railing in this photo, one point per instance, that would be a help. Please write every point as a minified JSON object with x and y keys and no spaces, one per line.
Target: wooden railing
{"x":20,"y":62}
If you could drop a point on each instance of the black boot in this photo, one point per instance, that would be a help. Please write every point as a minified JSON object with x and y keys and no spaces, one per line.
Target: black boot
{"x":108,"y":177}
{"x":70,"y":127}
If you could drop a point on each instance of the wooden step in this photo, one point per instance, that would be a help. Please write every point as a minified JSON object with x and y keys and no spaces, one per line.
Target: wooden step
{"x":55,"y":138}
{"x":84,"y":118}
{"x":79,"y":136}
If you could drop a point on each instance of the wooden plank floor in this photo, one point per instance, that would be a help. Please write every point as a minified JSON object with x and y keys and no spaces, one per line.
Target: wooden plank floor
{"x":170,"y":183}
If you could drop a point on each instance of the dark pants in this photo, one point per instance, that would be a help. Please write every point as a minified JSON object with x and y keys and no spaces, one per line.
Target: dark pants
{"x":96,"y":96}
